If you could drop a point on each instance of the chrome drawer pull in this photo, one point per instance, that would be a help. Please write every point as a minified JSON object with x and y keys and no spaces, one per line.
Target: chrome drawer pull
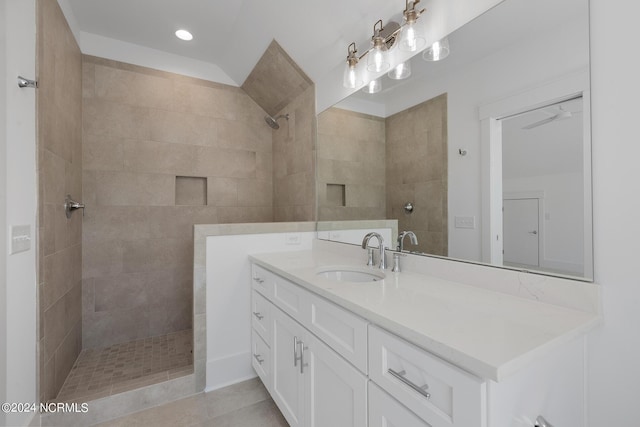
{"x":258,"y":358}
{"x":401,"y":376}
{"x":259,"y":280}
{"x":258,"y":315}
{"x":295,"y":351}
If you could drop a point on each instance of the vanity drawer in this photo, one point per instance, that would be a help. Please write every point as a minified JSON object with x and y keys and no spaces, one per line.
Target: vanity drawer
{"x":343,"y":331}
{"x":261,"y":316}
{"x":290,"y":298}
{"x":262,"y":280}
{"x":261,"y":358}
{"x":385,"y":411}
{"x":436,"y":391}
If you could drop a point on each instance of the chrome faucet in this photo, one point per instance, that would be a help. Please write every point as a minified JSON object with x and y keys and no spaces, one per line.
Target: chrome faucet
{"x":401,"y":236}
{"x":400,"y":248}
{"x":365,"y":245}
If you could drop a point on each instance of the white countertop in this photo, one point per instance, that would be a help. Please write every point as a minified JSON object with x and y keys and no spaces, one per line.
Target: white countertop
{"x":487,"y":333}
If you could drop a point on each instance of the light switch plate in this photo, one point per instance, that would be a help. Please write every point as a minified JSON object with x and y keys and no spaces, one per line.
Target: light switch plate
{"x":20,"y":238}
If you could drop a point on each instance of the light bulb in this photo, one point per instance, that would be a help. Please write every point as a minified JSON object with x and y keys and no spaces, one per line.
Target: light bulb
{"x":437,"y":51}
{"x":351,"y":79}
{"x":184,"y":35}
{"x":373,"y":86}
{"x":377,"y":61}
{"x":402,"y":71}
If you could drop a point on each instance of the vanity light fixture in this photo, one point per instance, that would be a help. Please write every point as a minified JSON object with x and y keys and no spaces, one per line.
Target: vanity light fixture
{"x":411,"y":39}
{"x":351,"y":75}
{"x":437,"y":51}
{"x":378,"y":59}
{"x":184,"y":35}
{"x":401,"y":71}
{"x":374,"y":86}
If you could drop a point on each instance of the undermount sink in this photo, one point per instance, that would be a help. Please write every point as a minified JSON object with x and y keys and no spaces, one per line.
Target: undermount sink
{"x":350,"y":274}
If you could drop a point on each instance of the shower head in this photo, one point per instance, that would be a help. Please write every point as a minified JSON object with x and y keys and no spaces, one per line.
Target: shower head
{"x":273,"y":121}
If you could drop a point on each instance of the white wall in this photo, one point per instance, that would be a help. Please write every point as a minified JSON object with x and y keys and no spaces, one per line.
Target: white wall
{"x":563,"y":230}
{"x":3,"y":207}
{"x":19,"y":164}
{"x":614,"y":350}
{"x":497,"y":76}
{"x":229,"y":300}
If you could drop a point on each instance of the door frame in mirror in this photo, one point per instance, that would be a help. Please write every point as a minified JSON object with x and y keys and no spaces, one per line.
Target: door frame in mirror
{"x":490,"y":115}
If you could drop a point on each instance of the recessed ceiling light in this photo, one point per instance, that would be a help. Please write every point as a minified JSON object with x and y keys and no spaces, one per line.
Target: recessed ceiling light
{"x":184,"y":35}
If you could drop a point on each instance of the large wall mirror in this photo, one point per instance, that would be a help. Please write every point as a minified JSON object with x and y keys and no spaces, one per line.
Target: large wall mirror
{"x":486,"y":154}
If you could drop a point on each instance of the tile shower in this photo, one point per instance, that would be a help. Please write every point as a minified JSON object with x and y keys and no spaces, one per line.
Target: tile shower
{"x":149,"y":153}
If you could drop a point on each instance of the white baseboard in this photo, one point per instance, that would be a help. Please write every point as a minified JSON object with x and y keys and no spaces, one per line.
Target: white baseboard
{"x":229,"y":370}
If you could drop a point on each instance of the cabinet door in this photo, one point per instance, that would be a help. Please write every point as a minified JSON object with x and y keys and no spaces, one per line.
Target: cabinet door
{"x":336,"y":391}
{"x":288,"y":382}
{"x":385,"y":411}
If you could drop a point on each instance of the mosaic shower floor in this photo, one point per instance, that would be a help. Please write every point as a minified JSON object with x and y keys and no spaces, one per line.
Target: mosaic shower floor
{"x":101,"y":372}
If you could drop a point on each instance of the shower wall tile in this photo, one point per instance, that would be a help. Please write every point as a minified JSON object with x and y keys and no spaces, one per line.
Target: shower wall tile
{"x":183,"y":128}
{"x":223,"y":191}
{"x":294,"y":146}
{"x":416,"y":150}
{"x":130,"y":88}
{"x":141,"y":129}
{"x":101,"y":152}
{"x":351,"y":152}
{"x":134,"y":189}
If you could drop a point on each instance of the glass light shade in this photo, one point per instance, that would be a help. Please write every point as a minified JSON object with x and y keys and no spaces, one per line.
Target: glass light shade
{"x":400,"y":72}
{"x":374,"y":86}
{"x":351,"y":79}
{"x":437,"y":51}
{"x":377,"y":60}
{"x":411,"y":39}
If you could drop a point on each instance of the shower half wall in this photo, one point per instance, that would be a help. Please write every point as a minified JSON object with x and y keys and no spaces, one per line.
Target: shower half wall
{"x":161,"y":152}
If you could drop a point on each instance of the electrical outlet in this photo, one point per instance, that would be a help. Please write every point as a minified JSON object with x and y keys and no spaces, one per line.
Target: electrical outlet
{"x":292,"y":239}
{"x":465,"y":222}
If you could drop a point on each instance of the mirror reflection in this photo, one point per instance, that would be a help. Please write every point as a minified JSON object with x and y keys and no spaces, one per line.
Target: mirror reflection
{"x":485,"y":155}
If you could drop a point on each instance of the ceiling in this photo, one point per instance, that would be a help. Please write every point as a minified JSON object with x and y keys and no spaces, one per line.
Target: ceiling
{"x":502,"y":26}
{"x":233,"y":34}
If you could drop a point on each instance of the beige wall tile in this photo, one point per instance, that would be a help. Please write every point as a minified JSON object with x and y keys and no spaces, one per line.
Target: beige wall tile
{"x":106,"y":328}
{"x":253,"y":192}
{"x":156,"y":254}
{"x":126,"y":87}
{"x":222,"y":162}
{"x":191,"y":191}
{"x":222,"y":191}
{"x":231,"y":215}
{"x":62,"y":270}
{"x":205,"y":101}
{"x":178,"y":127}
{"x":123,"y":291}
{"x":157,"y":157}
{"x":134,"y":189}
{"x":103,"y":258}
{"x":102,"y":153}
{"x":103,"y":118}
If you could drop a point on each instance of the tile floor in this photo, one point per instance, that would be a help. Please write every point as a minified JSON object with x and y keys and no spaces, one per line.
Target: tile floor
{"x":246,"y":404}
{"x":120,"y":367}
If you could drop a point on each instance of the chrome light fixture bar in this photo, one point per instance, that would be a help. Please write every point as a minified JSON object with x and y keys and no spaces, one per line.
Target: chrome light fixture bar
{"x":383,"y":39}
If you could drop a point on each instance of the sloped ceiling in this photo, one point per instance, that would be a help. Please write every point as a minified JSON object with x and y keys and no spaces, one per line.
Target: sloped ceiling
{"x":276,"y":80}
{"x":233,"y":34}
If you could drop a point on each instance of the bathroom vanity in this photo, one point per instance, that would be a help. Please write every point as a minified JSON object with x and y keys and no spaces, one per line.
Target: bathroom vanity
{"x":337,"y":343}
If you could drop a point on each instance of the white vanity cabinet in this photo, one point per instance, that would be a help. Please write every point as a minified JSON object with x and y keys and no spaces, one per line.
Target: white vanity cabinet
{"x":326,"y":366}
{"x":310,"y":382}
